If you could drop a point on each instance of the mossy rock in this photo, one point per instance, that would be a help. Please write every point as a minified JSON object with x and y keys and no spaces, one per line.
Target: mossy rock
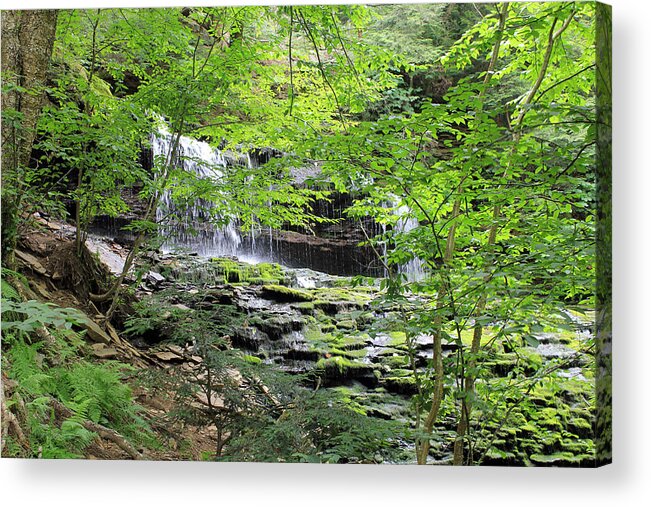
{"x":400,"y":382}
{"x":582,"y":428}
{"x":559,"y":459}
{"x":270,"y":270}
{"x":334,"y":307}
{"x":351,"y":341}
{"x":398,"y":339}
{"x":251,"y":359}
{"x":499,"y":457}
{"x":340,"y":367}
{"x":395,"y":362}
{"x":234,"y":271}
{"x":285,"y":294}
{"x":305,"y":307}
{"x":346,"y":324}
{"x":258,"y":280}
{"x":390,"y":352}
{"x":502,"y":364}
{"x":336,"y":300}
{"x":350,"y":353}
{"x":400,"y":385}
{"x":277,"y":326}
{"x":580,"y":446}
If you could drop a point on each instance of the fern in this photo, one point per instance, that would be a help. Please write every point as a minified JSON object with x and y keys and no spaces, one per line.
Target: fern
{"x":91,"y":392}
{"x":7,"y":291}
{"x":26,"y":368}
{"x":6,"y":272}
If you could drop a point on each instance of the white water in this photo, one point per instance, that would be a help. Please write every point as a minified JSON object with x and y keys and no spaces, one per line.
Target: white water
{"x":415,"y":268}
{"x":193,"y":228}
{"x":190,"y":228}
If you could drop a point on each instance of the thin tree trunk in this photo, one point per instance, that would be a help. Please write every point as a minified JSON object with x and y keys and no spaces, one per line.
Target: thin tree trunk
{"x":423,"y":446}
{"x":469,"y":381}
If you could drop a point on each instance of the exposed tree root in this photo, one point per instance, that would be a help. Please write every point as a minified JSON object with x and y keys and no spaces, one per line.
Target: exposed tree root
{"x":83,"y":274}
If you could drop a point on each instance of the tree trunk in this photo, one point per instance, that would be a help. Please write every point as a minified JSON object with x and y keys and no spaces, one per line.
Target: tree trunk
{"x":27,"y":41}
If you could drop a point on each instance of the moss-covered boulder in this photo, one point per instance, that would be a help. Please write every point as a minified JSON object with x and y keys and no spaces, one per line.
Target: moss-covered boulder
{"x":285,"y":294}
{"x":400,"y":381}
{"x":337,"y":368}
{"x":276,"y":326}
{"x":234,"y":271}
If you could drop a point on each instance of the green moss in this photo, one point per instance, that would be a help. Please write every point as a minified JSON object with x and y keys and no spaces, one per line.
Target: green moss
{"x":532,"y":359}
{"x":258,"y":280}
{"x":233,"y":271}
{"x":467,"y":335}
{"x":397,"y":339}
{"x":335,"y":300}
{"x":390,"y":351}
{"x":576,"y":446}
{"x":350,"y":354}
{"x":305,"y":307}
{"x":269,"y":270}
{"x":494,"y":453}
{"x":285,"y":294}
{"x":403,"y":382}
{"x":342,"y":365}
{"x":580,"y":426}
{"x":328,"y":327}
{"x":252,"y":359}
{"x":396,"y":362}
{"x":346,"y":324}
{"x":528,"y":428}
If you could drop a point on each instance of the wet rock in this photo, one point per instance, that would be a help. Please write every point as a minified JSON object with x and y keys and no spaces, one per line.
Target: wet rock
{"x":348,"y":324}
{"x":285,"y":294}
{"x":277,"y":326}
{"x":337,"y":369}
{"x":400,"y":384}
{"x":249,"y":338}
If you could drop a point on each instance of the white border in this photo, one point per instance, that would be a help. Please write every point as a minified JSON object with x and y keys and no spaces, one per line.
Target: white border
{"x":626,"y":482}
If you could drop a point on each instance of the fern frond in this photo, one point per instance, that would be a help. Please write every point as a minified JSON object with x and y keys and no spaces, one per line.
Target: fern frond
{"x":7,"y":291}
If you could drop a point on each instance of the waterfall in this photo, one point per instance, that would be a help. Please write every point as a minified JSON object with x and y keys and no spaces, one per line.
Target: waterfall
{"x":190,"y":228}
{"x":414,"y":269}
{"x":205,"y":228}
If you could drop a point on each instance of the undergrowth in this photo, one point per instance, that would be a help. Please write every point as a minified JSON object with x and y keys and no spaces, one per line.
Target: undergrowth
{"x":52,"y":389}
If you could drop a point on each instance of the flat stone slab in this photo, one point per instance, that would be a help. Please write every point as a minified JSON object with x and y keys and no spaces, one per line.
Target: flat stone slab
{"x":94,"y":332}
{"x":103,"y":352}
{"x":31,"y":261}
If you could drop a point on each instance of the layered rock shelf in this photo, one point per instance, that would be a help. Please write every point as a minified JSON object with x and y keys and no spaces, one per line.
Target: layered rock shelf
{"x":339,"y":337}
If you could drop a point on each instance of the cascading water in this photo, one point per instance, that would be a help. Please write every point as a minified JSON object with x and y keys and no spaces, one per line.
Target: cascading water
{"x":190,"y":228}
{"x":415,"y":268}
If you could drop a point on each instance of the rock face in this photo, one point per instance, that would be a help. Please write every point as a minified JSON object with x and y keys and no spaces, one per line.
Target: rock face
{"x":303,"y":322}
